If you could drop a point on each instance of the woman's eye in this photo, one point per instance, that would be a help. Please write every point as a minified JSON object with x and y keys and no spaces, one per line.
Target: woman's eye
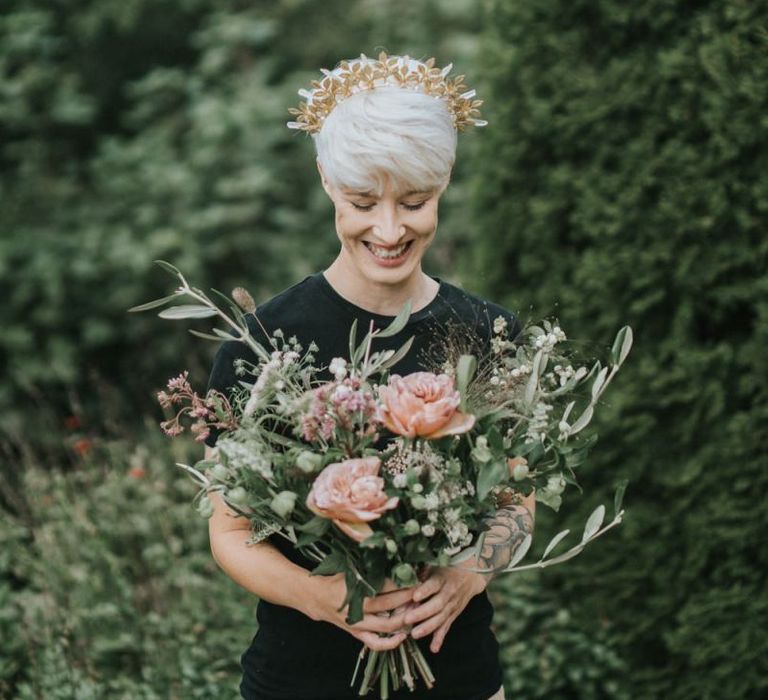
{"x":409,"y":207}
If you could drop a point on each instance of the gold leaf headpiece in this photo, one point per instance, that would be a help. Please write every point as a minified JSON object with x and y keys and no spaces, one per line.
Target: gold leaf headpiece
{"x":364,"y":73}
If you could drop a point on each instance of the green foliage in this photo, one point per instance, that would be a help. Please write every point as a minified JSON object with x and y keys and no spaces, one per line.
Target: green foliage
{"x":109,"y":588}
{"x":623,"y":181}
{"x":132,"y":131}
{"x":546,"y":651}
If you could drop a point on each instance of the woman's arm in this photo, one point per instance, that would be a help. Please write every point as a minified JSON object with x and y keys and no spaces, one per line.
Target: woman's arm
{"x":264,"y":571}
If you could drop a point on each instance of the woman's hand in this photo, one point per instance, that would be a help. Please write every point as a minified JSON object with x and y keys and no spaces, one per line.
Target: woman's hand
{"x":383,"y":613}
{"x":445,"y":593}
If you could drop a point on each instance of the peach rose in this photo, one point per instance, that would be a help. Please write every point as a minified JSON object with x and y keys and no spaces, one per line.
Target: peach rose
{"x":351,"y":494}
{"x":423,"y":404}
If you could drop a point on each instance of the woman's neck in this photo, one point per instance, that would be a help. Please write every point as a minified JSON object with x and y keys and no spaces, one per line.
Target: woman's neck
{"x":379,"y":297}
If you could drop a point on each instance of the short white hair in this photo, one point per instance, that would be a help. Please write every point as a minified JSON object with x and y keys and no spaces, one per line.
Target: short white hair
{"x":388,"y":133}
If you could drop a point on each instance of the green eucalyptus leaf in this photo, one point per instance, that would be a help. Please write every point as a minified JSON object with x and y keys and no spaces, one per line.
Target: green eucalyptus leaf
{"x":583,"y":420}
{"x":154,"y":304}
{"x":622,"y":345}
{"x":593,"y":522}
{"x":168,"y":267}
{"x":521,"y":551}
{"x":554,"y":542}
{"x":206,"y":336}
{"x":401,"y":353}
{"x":619,"y":495}
{"x":352,"y":339}
{"x":465,"y":370}
{"x":187,"y":311}
{"x":398,"y":323}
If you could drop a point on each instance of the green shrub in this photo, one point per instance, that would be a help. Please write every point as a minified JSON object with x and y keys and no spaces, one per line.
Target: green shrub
{"x":116,"y":593}
{"x":623,"y":181}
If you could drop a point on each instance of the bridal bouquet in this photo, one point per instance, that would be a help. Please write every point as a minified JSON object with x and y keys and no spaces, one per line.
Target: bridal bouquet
{"x":298,"y":456}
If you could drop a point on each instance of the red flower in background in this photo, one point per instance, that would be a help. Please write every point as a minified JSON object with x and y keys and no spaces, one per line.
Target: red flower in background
{"x":82,"y":446}
{"x":72,"y":422}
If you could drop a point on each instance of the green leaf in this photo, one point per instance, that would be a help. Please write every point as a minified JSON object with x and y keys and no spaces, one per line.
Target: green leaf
{"x":490,"y":475}
{"x":333,"y":563}
{"x":554,"y":542}
{"x":402,"y":352}
{"x":593,"y":522}
{"x":206,"y":336}
{"x":153,"y":304}
{"x":622,"y":345}
{"x":352,"y":339}
{"x":168,"y":267}
{"x":377,"y":539}
{"x":356,"y":605}
{"x":521,"y":551}
{"x":583,"y":420}
{"x":619,"y":495}
{"x":187,"y":311}
{"x":317,"y":526}
{"x":465,"y":370}
{"x":398,"y":323}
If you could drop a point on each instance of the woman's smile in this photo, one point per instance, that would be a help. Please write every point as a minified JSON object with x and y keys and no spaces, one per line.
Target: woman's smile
{"x":389,"y":256}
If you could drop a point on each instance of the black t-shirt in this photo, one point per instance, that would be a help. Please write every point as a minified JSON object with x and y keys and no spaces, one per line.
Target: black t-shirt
{"x":291,"y":655}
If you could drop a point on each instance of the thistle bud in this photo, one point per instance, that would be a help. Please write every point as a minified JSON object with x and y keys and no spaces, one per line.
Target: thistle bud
{"x":205,"y":507}
{"x":283,"y":503}
{"x":309,"y":461}
{"x":411,"y":527}
{"x":404,"y":575}
{"x":244,"y":300}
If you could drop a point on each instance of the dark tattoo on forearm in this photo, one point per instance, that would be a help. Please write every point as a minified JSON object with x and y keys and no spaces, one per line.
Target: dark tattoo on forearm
{"x":507,"y":529}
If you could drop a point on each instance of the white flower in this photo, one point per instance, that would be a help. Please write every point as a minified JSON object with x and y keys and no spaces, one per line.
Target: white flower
{"x":432,"y":501}
{"x":338,"y":367}
{"x":499,"y":324}
{"x":400,"y":481}
{"x":428,"y":530}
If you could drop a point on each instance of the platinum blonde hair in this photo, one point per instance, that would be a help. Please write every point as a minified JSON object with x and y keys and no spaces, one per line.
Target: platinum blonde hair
{"x":389,"y":133}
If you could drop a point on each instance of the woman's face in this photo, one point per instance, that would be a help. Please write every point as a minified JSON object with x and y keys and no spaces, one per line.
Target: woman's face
{"x":383,"y":239}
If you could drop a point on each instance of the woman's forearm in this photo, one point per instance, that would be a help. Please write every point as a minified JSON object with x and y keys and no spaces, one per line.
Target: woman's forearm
{"x":262,"y":569}
{"x":507,"y":528}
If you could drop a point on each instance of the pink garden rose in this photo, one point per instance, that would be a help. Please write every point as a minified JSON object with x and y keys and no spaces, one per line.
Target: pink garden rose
{"x":351,"y":493}
{"x":423,"y":404}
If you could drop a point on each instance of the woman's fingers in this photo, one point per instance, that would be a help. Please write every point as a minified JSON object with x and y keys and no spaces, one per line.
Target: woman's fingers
{"x":380,"y":623}
{"x":388,"y":601}
{"x":439,"y":636}
{"x":376,"y":643}
{"x":431,"y":586}
{"x":431,"y":607}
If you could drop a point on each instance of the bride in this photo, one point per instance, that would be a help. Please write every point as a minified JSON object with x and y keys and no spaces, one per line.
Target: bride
{"x":385,"y":131}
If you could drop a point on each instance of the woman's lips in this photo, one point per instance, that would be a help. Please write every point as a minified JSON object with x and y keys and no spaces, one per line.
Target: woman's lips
{"x":390,"y":262}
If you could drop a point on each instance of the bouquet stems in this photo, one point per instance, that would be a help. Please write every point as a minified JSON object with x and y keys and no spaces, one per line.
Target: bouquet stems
{"x":393,"y":668}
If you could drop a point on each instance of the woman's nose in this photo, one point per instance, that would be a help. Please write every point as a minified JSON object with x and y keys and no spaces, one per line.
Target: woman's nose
{"x":388,"y":227}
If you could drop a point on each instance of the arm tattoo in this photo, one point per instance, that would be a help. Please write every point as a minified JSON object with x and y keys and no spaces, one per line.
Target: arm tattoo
{"x":507,"y":529}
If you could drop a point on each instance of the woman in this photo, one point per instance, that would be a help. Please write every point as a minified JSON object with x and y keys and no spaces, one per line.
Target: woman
{"x":385,"y":132}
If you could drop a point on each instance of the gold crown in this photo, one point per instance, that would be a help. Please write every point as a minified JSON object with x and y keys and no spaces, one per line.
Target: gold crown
{"x":364,"y":73}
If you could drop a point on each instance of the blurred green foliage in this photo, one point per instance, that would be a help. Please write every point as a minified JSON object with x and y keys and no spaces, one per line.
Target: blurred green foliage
{"x":620,"y":180}
{"x":109,"y":586}
{"x":625,"y":183}
{"x":136,"y":130}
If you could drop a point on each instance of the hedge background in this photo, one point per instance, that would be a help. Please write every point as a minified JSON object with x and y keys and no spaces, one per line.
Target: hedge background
{"x":621,"y":179}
